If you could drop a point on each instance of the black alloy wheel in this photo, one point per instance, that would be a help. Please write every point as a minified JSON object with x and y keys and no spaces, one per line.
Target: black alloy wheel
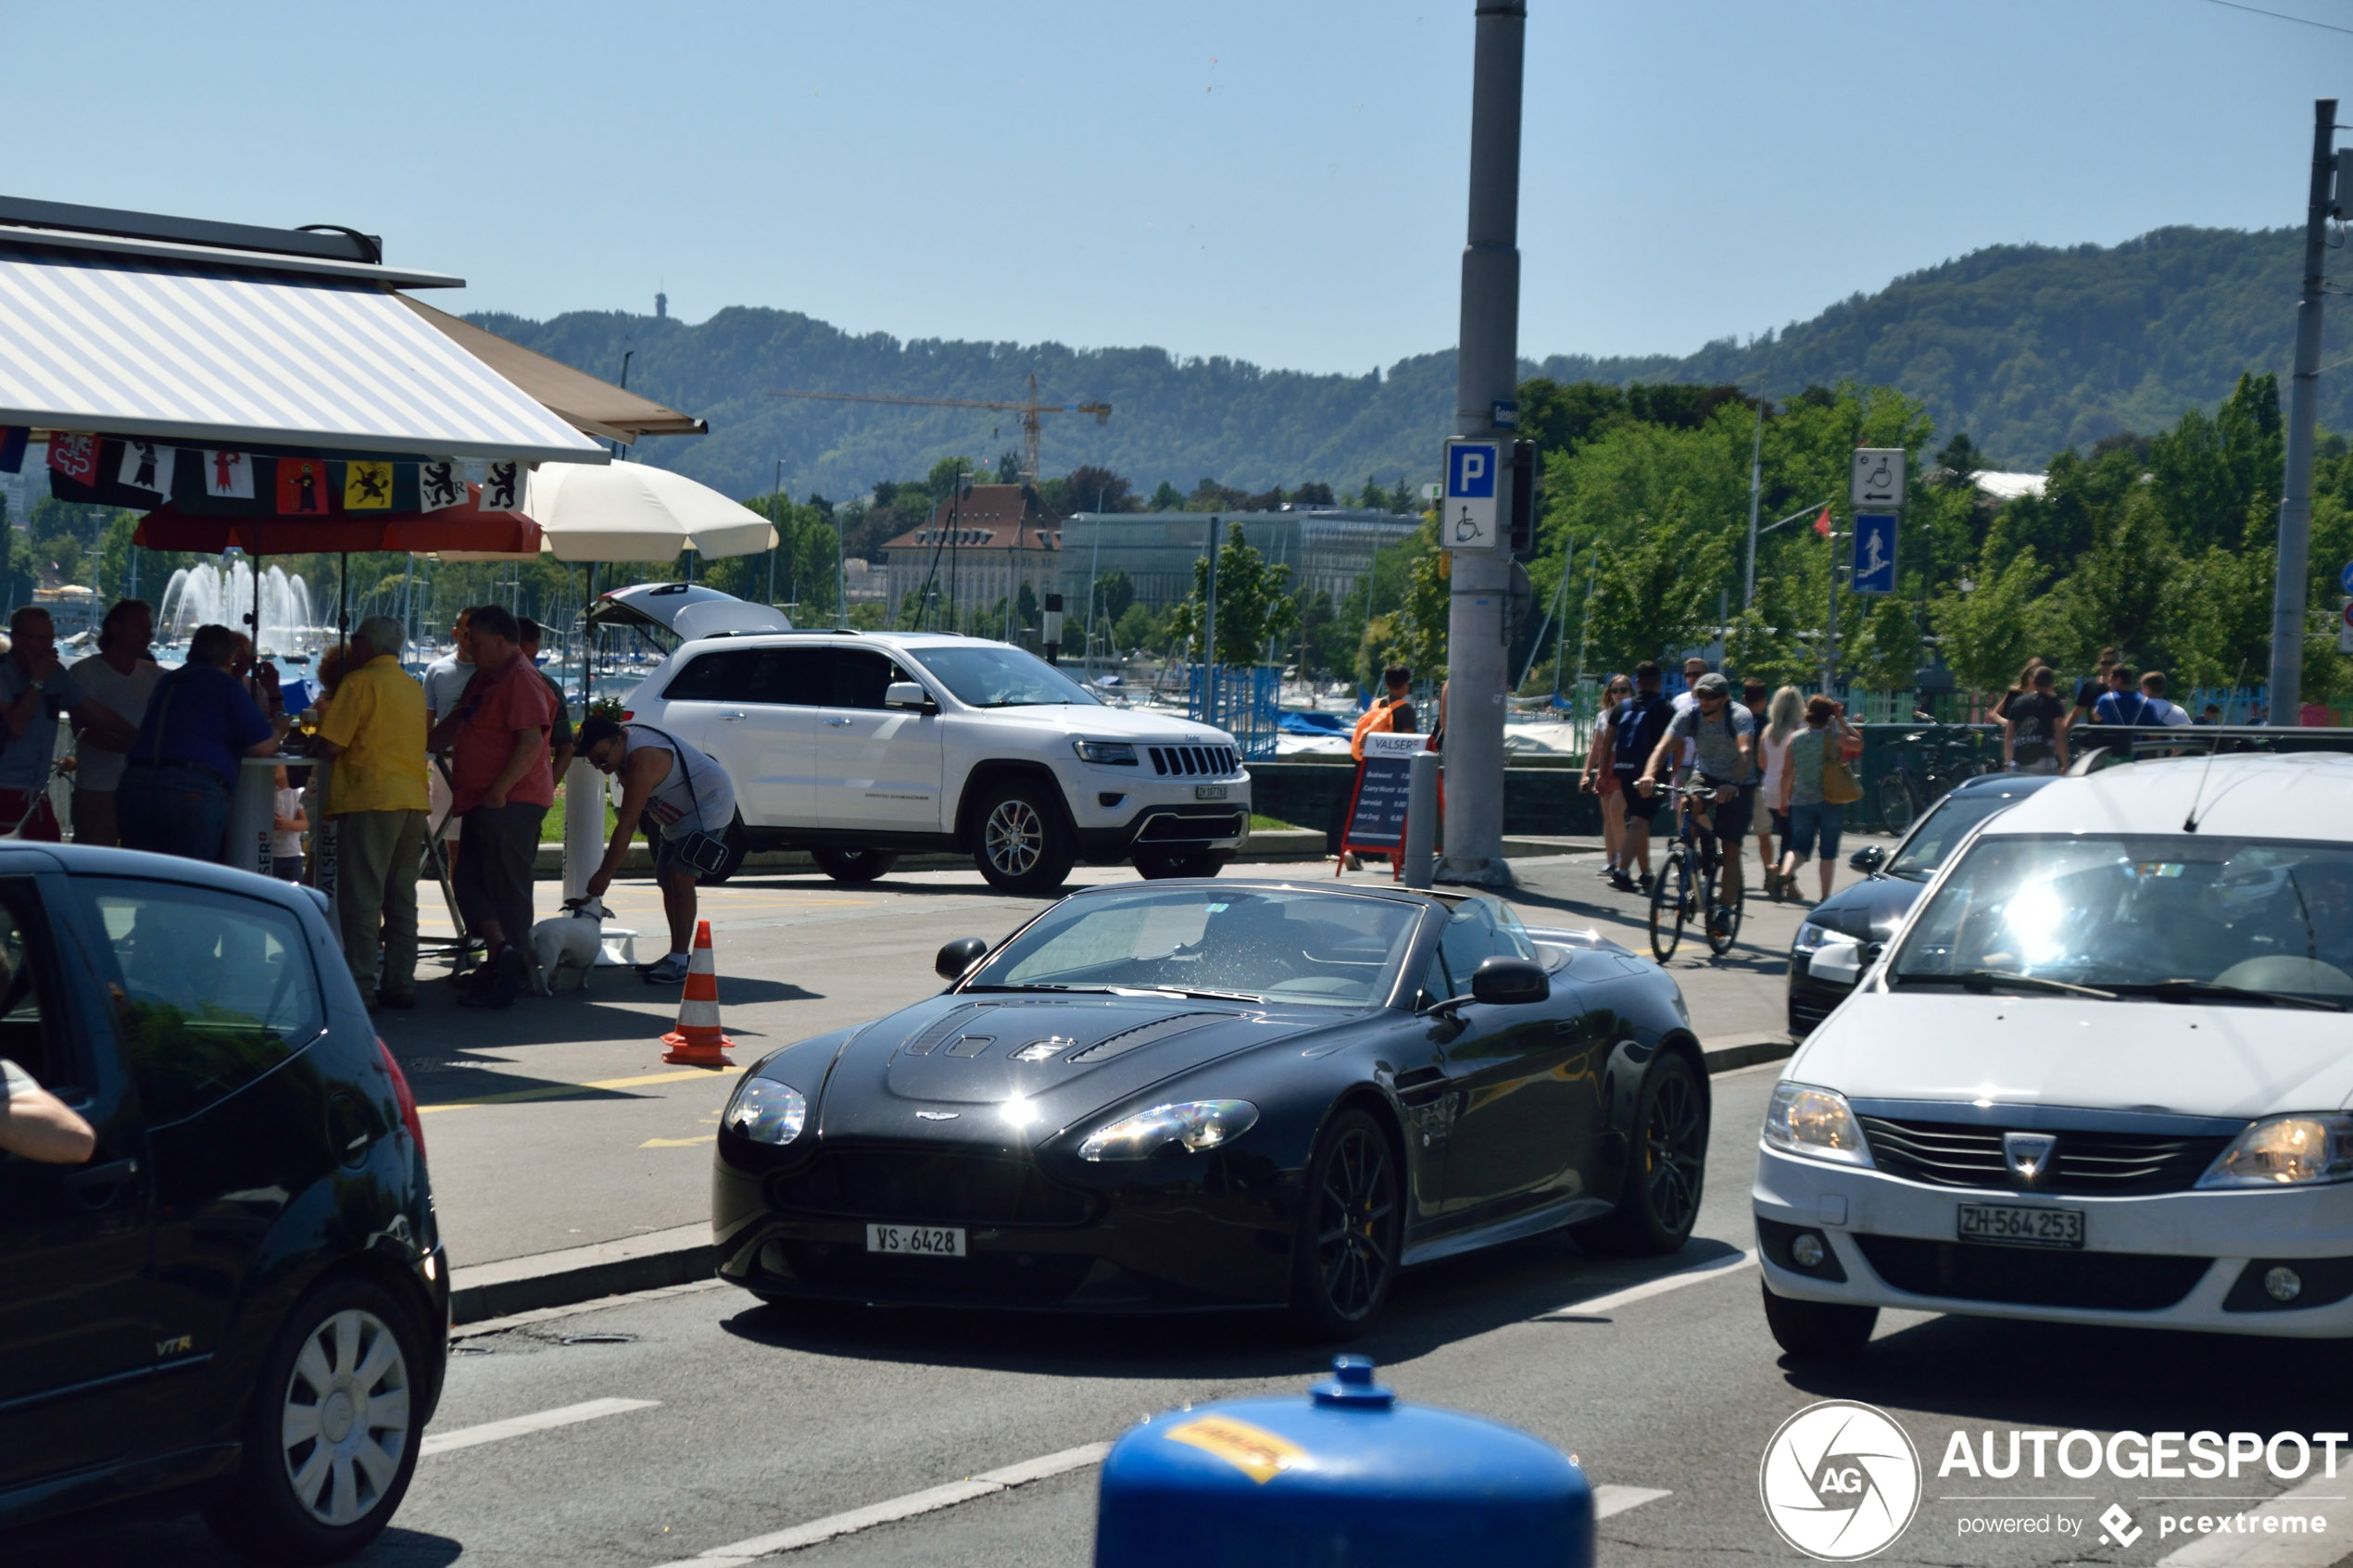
{"x":1723,"y":919}
{"x":1022,"y":847}
{"x":1670,"y":903}
{"x":1351,"y":1224}
{"x":1896,"y":806}
{"x":854,"y":867}
{"x":331,"y":1439}
{"x":1819,"y":1331}
{"x":1660,"y":1202}
{"x":1155,"y":865}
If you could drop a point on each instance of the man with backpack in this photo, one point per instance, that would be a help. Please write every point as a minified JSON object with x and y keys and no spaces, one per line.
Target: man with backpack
{"x":1632,"y":731}
{"x":1723,"y":737}
{"x":2123,"y":702}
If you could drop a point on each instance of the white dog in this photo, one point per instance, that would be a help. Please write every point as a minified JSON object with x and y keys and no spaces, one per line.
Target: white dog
{"x":568,"y":940}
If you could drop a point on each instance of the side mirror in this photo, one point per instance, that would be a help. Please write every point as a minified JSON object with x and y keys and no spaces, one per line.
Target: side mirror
{"x":1501,"y":982}
{"x":908,"y":693}
{"x":959,"y":955}
{"x":1869,"y":858}
{"x":1842,"y":963}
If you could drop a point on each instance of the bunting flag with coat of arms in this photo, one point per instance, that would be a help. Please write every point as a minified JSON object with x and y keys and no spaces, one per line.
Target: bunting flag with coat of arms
{"x":367,"y":486}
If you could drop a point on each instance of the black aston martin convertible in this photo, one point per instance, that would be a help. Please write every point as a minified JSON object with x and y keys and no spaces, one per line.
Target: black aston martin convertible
{"x":1187,"y":1095}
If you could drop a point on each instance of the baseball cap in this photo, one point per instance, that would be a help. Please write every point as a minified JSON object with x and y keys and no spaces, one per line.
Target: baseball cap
{"x":1711,"y":685}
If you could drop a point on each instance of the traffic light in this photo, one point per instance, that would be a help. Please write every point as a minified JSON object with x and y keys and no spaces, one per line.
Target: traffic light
{"x":1523,"y":497}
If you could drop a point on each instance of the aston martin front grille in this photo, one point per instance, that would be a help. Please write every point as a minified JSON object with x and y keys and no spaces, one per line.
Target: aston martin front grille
{"x":918,"y":1186}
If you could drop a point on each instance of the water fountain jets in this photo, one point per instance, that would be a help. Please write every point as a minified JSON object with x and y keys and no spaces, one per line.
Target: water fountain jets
{"x":207,"y":595}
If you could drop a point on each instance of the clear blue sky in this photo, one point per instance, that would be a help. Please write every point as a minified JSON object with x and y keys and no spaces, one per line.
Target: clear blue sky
{"x":1279,"y":181}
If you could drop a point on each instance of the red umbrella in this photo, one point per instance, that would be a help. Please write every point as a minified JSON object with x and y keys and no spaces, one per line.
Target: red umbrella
{"x":452,"y":528}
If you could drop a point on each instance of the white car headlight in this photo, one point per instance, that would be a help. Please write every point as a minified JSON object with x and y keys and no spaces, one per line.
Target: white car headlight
{"x":767,"y":1112}
{"x":1815,"y":1123}
{"x":1105,"y":753}
{"x":2286,"y":1151}
{"x":1198,"y":1124}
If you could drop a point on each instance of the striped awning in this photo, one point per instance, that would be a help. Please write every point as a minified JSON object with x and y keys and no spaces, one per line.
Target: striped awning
{"x":234,"y":356}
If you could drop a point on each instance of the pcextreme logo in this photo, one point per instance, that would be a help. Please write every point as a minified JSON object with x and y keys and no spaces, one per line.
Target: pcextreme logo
{"x":1839,"y":1480}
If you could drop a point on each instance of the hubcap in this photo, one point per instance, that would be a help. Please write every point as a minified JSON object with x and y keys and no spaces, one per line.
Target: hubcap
{"x":345,"y":1424}
{"x":1352,"y":1245}
{"x":1671,"y":1154}
{"x":1015,"y":837}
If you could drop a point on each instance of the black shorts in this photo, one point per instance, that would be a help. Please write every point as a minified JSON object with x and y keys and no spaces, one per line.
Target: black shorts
{"x":1729,"y":820}
{"x":1639,"y":807}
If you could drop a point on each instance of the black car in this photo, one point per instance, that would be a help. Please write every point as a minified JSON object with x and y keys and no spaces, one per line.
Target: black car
{"x":241,"y":1293}
{"x":1196,"y":1095}
{"x":1868,"y":912}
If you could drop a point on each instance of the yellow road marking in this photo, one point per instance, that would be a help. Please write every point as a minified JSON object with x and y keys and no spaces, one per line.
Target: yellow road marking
{"x":557,"y":1091}
{"x":678,"y":1143}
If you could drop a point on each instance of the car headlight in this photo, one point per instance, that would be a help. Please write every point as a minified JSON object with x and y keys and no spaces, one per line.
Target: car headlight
{"x":1106,"y":753}
{"x":2286,"y":1151}
{"x":1198,"y":1124}
{"x":767,"y":1112}
{"x":1815,"y":1123}
{"x":1812,"y":939}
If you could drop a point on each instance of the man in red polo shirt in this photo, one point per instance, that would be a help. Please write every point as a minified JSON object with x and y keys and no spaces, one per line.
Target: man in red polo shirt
{"x":501,"y":785}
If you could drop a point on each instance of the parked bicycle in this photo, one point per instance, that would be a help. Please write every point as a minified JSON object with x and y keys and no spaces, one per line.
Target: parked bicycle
{"x":1928,"y":763}
{"x":1689,"y":876}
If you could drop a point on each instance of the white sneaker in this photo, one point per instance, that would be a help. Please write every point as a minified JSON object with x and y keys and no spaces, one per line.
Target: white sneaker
{"x":670,"y":970}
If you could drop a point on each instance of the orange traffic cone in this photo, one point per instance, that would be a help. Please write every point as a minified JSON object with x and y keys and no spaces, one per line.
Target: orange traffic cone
{"x":699,"y":1041}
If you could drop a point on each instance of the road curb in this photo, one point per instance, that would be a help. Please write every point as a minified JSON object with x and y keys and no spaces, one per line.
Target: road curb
{"x":685,"y":1253}
{"x":1748,"y":1050}
{"x":678,"y":1255}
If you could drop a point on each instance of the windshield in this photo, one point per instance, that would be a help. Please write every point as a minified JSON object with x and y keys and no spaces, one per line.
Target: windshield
{"x":2122,"y":912}
{"x":993,"y":675}
{"x":1278,"y":945}
{"x":1919,"y":856}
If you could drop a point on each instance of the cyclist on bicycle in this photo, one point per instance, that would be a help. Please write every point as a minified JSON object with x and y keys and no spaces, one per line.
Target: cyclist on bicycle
{"x":1724,"y":737}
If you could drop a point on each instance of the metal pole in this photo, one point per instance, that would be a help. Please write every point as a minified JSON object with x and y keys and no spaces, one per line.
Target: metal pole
{"x":1488,"y":373}
{"x":841,"y":573}
{"x":776,"y":498}
{"x":1830,"y":640}
{"x":2292,"y":589}
{"x":1755,"y":493}
{"x":1094,"y":559}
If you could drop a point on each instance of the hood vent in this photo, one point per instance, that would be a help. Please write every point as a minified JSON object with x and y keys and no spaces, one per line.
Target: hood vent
{"x":1147,"y":1033}
{"x":941,"y":1028}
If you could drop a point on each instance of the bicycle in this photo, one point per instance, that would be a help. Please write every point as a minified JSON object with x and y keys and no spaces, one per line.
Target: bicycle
{"x":1928,"y":763}
{"x":1688,"y":879}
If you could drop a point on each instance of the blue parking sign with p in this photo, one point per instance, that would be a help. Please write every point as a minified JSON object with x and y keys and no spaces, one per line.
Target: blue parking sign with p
{"x":1470,"y":472}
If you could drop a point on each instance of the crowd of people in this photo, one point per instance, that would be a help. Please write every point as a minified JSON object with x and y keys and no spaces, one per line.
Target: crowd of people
{"x":471,"y":756}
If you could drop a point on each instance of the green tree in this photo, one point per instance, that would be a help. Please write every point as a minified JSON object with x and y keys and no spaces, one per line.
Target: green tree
{"x":1988,"y":630}
{"x":1114,"y":591}
{"x":1137,"y":628}
{"x":1253,"y":604}
{"x":1167,"y":498}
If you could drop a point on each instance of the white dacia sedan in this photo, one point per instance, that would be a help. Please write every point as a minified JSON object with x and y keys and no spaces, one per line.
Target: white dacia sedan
{"x":2103,"y":1072}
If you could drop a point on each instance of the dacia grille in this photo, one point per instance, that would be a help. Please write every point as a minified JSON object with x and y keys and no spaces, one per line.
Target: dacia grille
{"x":2083,"y":1163}
{"x":1203,"y":761}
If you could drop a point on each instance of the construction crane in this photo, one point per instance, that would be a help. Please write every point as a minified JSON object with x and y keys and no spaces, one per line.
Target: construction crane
{"x":1029,"y":412}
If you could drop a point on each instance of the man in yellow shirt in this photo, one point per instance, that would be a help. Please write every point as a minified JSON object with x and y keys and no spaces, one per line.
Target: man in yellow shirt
{"x":374,"y":728}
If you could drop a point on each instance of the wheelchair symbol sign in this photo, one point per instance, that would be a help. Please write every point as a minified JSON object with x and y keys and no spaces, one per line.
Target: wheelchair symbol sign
{"x":1467,"y":518}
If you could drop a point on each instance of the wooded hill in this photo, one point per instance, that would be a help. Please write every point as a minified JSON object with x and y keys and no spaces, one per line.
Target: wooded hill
{"x":2029,"y":349}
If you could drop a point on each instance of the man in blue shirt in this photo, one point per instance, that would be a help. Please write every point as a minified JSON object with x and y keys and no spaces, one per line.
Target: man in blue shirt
{"x":2123,"y":703}
{"x":199,"y":725}
{"x":35,"y":690}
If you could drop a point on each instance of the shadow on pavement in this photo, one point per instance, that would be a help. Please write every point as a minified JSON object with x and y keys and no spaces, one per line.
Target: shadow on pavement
{"x":2064,"y":1375}
{"x":140,"y":1539}
{"x":1433,"y":1306}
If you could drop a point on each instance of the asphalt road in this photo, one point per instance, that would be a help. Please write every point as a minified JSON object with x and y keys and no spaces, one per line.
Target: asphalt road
{"x":555,"y":1123}
{"x":730,"y":1421}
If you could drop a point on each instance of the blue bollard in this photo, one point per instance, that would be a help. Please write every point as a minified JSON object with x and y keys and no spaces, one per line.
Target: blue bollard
{"x":1348,"y":1478}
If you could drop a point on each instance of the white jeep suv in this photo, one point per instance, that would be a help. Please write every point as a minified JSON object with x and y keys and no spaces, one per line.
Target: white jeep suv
{"x":860,"y":746}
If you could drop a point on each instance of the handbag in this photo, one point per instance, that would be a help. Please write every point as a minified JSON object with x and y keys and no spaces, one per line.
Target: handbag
{"x":1839,"y":787}
{"x":705,"y":853}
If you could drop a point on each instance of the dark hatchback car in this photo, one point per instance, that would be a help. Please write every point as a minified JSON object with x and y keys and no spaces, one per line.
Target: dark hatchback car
{"x":1186,"y":1096}
{"x":241,"y":1296}
{"x":1868,"y":912}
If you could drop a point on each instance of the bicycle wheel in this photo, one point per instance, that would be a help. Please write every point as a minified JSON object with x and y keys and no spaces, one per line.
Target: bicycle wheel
{"x":1723,"y":925}
{"x":1670,"y":903}
{"x":1894,"y":800}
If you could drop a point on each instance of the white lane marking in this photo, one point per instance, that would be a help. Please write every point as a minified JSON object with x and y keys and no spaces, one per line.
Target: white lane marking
{"x":895,"y":1508}
{"x":520,"y":1425}
{"x":1596,"y":1305}
{"x":2324,"y":1496}
{"x":1618,"y":1500}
